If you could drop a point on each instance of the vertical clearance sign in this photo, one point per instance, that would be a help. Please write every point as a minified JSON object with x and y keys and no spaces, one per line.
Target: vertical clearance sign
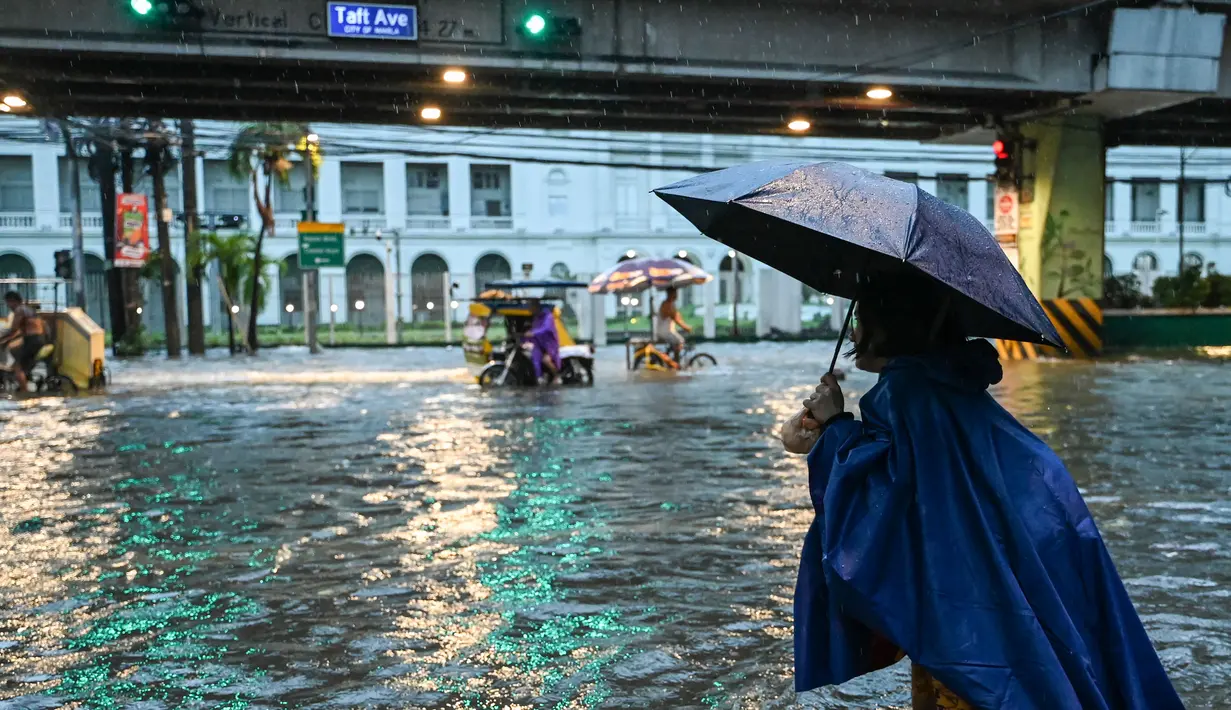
{"x":132,"y":231}
{"x":368,"y":21}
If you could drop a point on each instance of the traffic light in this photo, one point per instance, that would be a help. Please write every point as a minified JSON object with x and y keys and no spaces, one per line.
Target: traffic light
{"x":1006,"y":160}
{"x":181,"y":15}
{"x":64,"y":264}
{"x":547,"y":28}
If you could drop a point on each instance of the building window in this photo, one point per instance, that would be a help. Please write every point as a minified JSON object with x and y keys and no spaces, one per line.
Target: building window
{"x":427,"y":190}
{"x":490,"y":191}
{"x":16,"y":184}
{"x":171,"y":185}
{"x":557,"y":206}
{"x":490,"y":268}
{"x":1193,"y":260}
{"x":991,"y":198}
{"x":904,"y":177}
{"x":1145,"y":262}
{"x":363,"y":188}
{"x":557,"y":176}
{"x":1194,"y":201}
{"x":91,"y":200}
{"x":954,"y":189}
{"x":733,"y":280}
{"x":291,"y":197}
{"x":224,"y":193}
{"x":1145,"y":201}
{"x":1109,"y":200}
{"x":1109,"y":266}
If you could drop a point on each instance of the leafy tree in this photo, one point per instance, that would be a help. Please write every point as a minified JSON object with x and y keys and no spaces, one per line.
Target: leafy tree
{"x":264,"y":150}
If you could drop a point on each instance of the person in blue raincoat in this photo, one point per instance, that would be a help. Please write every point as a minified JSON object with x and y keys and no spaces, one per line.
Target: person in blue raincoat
{"x":947,"y":531}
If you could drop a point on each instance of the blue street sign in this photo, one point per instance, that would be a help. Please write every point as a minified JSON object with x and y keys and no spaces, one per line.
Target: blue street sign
{"x":368,"y":21}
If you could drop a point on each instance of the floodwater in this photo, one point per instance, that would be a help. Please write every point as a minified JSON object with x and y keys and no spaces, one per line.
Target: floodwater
{"x":369,"y":530}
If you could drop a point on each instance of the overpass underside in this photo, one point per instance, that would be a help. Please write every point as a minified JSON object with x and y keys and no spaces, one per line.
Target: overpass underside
{"x":1066,"y":78}
{"x":687,"y":66}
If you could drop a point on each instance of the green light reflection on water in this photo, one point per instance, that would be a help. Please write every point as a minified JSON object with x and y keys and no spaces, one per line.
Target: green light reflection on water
{"x":157,"y":638}
{"x":564,"y":654}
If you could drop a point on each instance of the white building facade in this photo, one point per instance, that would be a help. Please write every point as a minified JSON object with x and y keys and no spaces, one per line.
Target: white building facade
{"x":450,"y":206}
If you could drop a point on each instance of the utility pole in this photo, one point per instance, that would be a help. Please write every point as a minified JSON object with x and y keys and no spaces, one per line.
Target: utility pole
{"x":1179,"y":211}
{"x":102,"y":169}
{"x":311,"y":277}
{"x":130,"y":284}
{"x":397,"y":256}
{"x":735,"y":269}
{"x":192,"y":240}
{"x":156,"y":159}
{"x":78,"y":299}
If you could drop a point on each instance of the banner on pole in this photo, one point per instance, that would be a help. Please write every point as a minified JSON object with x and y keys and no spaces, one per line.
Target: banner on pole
{"x":132,"y":230}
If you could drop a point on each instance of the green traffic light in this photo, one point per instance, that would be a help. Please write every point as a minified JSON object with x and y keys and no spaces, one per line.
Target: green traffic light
{"x":141,"y":7}
{"x":535,"y":24}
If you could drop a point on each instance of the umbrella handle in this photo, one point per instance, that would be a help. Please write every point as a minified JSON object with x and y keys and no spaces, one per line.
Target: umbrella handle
{"x":846,"y":324}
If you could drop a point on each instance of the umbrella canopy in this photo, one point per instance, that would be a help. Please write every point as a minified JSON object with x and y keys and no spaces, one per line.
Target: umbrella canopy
{"x":636,"y":275}
{"x":828,"y":224}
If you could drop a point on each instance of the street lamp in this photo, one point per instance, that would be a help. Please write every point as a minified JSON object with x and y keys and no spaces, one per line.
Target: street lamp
{"x":359,"y":307}
{"x":454,"y":76}
{"x":235,"y":309}
{"x":290,"y":312}
{"x":430,"y":305}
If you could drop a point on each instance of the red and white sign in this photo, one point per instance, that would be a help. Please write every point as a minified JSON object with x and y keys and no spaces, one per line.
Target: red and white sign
{"x":132,"y":230}
{"x":1006,"y":217}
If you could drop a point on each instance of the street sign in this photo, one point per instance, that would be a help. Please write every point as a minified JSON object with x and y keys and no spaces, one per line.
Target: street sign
{"x":132,"y":230}
{"x":368,"y":21}
{"x":322,"y":245}
{"x":1006,"y":217}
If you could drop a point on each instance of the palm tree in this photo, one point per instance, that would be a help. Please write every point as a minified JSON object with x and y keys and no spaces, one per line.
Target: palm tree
{"x":235,"y":255}
{"x":263,"y":149}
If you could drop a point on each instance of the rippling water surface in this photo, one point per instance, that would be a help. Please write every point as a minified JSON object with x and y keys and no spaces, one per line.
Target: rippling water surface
{"x":366,"y":529}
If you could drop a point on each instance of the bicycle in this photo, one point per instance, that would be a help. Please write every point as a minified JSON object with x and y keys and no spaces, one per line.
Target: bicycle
{"x":43,"y":375}
{"x":646,"y":354}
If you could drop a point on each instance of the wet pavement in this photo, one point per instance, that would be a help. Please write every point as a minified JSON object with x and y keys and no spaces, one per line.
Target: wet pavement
{"x":372,"y":531}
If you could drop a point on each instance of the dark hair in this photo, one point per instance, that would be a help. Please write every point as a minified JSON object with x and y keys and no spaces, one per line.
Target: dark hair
{"x":907,"y":314}
{"x":13,"y":296}
{"x":671,"y":291}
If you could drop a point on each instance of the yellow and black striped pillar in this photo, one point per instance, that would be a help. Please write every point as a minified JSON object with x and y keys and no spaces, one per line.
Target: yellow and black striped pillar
{"x":1079,"y":321}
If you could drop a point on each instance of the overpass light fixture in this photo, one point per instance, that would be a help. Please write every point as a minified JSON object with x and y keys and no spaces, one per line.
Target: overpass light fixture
{"x":799,"y":125}
{"x":312,"y":138}
{"x":141,"y":7}
{"x":454,"y":76}
{"x":4,"y":108}
{"x":290,"y":308}
{"x":430,"y":113}
{"x":14,"y":101}
{"x":879,"y":93}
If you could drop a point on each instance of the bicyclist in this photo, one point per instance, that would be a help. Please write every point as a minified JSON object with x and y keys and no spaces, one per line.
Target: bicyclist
{"x":668,"y":318}
{"x":25,"y":324}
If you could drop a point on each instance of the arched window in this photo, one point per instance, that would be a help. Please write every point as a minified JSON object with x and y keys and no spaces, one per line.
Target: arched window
{"x":1193,"y":260}
{"x":365,"y":291}
{"x":152,"y":317}
{"x":290,"y":286}
{"x":428,"y":288}
{"x":733,"y":280}
{"x":490,"y":267}
{"x":1146,"y":261}
{"x":1109,"y":266}
{"x":557,"y":194}
{"x":16,"y":266}
{"x":97,"y":303}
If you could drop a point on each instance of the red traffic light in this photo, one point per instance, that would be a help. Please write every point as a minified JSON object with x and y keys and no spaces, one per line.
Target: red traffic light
{"x":999,"y":149}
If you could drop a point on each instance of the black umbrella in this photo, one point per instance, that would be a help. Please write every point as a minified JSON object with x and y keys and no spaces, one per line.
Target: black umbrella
{"x":830,"y":224}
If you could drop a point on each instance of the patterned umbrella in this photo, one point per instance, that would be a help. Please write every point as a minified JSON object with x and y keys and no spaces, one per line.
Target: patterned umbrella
{"x":640,"y":274}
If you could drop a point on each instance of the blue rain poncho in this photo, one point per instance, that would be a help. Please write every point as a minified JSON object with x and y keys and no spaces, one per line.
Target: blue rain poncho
{"x":947,"y":529}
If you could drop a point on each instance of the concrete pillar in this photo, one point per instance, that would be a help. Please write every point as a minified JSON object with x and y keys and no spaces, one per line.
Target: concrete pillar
{"x":838,"y":315}
{"x":1061,"y":240}
{"x":709,"y":293}
{"x":459,"y":194}
{"x":763,"y":278}
{"x":329,"y":196}
{"x":395,"y":193}
{"x":44,"y":162}
{"x":599,"y":321}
